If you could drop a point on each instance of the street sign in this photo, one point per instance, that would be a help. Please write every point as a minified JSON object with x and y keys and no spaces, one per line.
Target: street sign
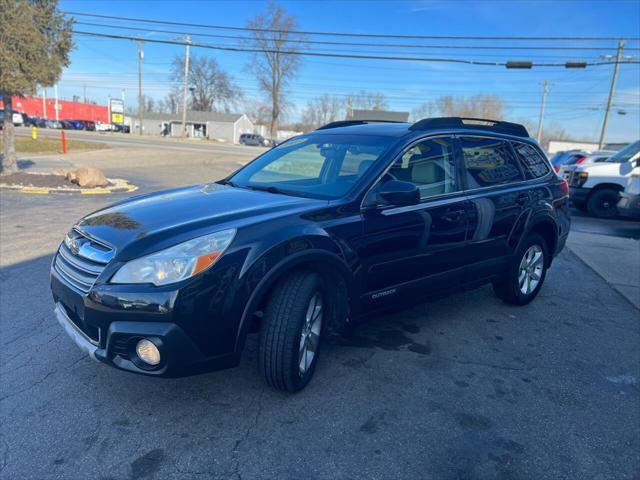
{"x":116,"y":107}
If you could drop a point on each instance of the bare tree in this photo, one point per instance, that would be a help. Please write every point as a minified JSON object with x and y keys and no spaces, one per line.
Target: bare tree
{"x":149,"y":104}
{"x":276,"y":62}
{"x":477,"y":106}
{"x":212,"y":88}
{"x":322,"y":110}
{"x":365,"y":100}
{"x":258,"y":112}
{"x":551,"y":132}
{"x":172,"y":100}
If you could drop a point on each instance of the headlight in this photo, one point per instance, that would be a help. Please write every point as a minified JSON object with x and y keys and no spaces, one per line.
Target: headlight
{"x":581,"y":178}
{"x":176,"y":263}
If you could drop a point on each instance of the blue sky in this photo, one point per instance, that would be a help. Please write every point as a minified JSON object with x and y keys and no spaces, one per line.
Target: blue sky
{"x":575,"y":103}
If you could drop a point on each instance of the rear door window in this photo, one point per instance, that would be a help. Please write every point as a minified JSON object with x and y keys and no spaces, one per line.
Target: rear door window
{"x":533,"y":165}
{"x":488,"y":162}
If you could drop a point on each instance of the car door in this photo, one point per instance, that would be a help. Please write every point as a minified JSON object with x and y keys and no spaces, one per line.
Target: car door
{"x":498,"y":199}
{"x":415,"y":250}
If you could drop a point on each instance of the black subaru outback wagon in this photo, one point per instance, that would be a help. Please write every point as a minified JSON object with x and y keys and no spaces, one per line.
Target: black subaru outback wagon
{"x":328,"y":227}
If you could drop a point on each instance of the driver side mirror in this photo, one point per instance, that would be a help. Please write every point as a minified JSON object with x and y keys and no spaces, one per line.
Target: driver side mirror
{"x":399,"y":193}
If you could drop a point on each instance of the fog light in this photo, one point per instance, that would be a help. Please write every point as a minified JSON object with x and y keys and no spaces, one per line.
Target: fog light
{"x":148,"y":352}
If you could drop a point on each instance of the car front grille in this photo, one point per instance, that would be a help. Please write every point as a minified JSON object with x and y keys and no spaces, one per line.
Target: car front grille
{"x":80,"y":260}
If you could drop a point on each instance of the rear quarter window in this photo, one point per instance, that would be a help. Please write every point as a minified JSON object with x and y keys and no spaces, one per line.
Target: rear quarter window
{"x":488,"y":162}
{"x":533,"y":165}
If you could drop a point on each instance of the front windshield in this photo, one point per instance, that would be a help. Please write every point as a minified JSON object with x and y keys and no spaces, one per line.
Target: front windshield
{"x":318,"y":165}
{"x":626,"y":154}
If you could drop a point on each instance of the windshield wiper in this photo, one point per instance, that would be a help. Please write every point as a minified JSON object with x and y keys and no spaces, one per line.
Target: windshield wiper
{"x":231,"y":183}
{"x":264,"y":188}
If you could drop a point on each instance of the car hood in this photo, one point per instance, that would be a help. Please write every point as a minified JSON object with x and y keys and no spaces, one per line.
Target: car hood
{"x":607,"y":168}
{"x":155,"y":221}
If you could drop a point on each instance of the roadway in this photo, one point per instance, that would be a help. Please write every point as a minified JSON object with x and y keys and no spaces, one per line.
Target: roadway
{"x":144,"y":141}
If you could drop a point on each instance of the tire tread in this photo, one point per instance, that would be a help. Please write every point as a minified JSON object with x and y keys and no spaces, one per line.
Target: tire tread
{"x":280,"y":328}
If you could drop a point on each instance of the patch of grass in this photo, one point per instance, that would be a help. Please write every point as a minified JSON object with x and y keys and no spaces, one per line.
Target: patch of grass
{"x":52,"y":145}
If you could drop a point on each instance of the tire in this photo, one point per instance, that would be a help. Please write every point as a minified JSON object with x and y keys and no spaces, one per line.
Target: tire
{"x":603,"y":203}
{"x":510,"y":289}
{"x":291,"y":331}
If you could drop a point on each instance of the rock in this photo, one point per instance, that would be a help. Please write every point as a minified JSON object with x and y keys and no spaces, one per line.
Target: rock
{"x":71,"y":176}
{"x":89,"y":177}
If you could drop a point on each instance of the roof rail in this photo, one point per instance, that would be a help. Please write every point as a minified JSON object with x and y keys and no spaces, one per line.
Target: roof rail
{"x":476,"y":123}
{"x":348,"y":123}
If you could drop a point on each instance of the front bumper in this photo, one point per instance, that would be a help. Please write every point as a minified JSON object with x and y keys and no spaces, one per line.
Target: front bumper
{"x":579,"y":195}
{"x":194,"y":334}
{"x":179,"y":356}
{"x":85,"y":343}
{"x":629,"y":205}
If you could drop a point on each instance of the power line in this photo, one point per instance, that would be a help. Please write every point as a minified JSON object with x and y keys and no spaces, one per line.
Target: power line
{"x":349,"y":34}
{"x":304,"y":93}
{"x":111,"y":76}
{"x":338,"y":55}
{"x":358,"y":44}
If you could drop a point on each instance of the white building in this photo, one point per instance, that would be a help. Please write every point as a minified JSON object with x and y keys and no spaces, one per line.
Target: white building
{"x":219,"y":126}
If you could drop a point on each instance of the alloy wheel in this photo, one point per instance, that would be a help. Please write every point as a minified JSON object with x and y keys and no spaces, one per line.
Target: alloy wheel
{"x":310,"y":336}
{"x":531,"y":268}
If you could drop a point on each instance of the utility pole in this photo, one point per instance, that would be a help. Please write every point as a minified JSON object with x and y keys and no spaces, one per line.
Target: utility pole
{"x":545,"y":92}
{"x":84,"y":93}
{"x":44,"y":103}
{"x":140,"y":102}
{"x":611,"y":94}
{"x":185,"y":88}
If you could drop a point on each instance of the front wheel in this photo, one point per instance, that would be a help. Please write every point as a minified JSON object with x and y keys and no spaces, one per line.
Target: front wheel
{"x":291,"y":331}
{"x":526,"y":273}
{"x":603,"y":203}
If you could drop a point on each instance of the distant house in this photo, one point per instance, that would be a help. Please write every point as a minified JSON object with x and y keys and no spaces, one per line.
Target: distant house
{"x":224,"y":127}
{"x":378,"y":115}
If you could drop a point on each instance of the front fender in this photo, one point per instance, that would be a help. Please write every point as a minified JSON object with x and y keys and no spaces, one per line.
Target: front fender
{"x":266,"y":270}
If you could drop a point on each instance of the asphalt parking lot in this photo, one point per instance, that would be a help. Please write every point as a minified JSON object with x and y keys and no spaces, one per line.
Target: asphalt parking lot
{"x":462,"y":388}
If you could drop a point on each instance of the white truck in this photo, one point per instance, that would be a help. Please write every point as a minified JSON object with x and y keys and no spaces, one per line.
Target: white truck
{"x":596,"y":187}
{"x":629,"y":204}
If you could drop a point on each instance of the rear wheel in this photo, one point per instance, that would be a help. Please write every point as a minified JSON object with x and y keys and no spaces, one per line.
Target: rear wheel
{"x":603,"y":203}
{"x":291,"y":331}
{"x":526,"y":273}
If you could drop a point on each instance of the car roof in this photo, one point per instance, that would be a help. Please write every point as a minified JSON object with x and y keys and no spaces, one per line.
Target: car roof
{"x":430,"y":126}
{"x":387,"y":129}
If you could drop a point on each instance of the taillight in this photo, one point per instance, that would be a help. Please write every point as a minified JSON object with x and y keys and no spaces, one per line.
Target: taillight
{"x":564,"y":186}
{"x":580,"y":160}
{"x":556,"y":169}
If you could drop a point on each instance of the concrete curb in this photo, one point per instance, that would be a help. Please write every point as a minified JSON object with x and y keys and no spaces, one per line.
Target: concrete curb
{"x":121,"y":186}
{"x":616,"y":260}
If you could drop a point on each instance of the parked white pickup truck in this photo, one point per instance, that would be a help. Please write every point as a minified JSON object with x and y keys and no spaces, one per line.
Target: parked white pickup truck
{"x":629,"y":204}
{"x":596,"y":187}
